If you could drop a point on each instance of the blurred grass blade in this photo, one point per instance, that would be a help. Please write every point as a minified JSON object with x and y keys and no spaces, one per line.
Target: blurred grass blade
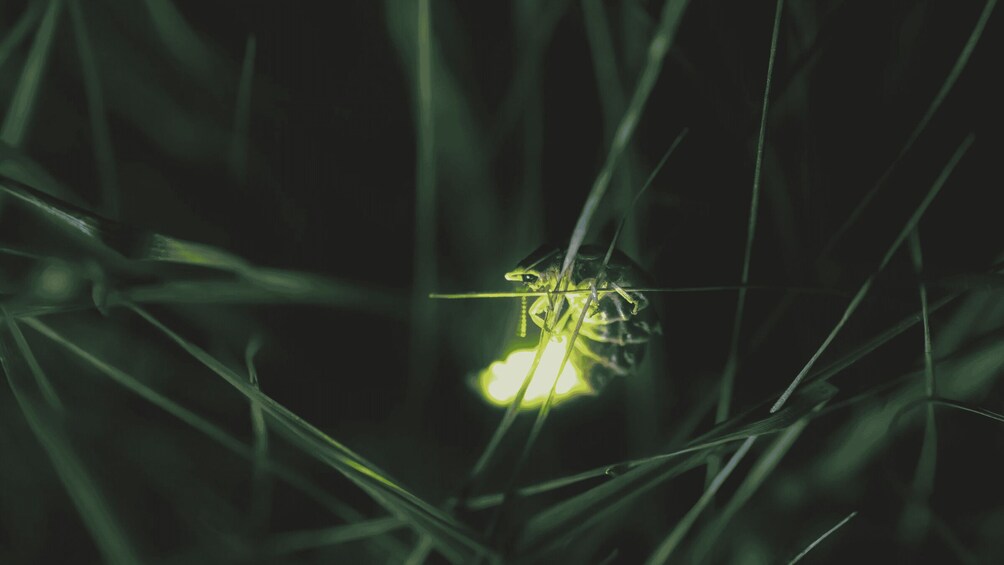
{"x":94,"y":512}
{"x":44,"y":386}
{"x":451,"y":538}
{"x":103,"y":153}
{"x":261,"y":491}
{"x":290,"y":542}
{"x":197,"y":422}
{"x":764,"y":466}
{"x":242,"y":114}
{"x":672,"y":14}
{"x":825,"y":535}
{"x":22,"y":104}
{"x":946,"y":87}
{"x":181,"y":40}
{"x":422,"y":341}
{"x":15,"y":35}
{"x":632,"y":479}
{"x":866,"y":286}
{"x":729,"y":373}
{"x":668,"y":545}
{"x":914,"y":521}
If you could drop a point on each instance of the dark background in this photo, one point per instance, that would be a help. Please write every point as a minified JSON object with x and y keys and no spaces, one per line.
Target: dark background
{"x":520,"y":136}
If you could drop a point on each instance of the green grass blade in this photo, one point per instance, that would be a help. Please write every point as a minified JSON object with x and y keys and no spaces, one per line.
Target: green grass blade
{"x":913,"y":523}
{"x":672,"y":14}
{"x":422,"y":341}
{"x":946,"y":87}
{"x":866,"y":286}
{"x":181,"y":40}
{"x":668,"y":545}
{"x":101,"y":137}
{"x":729,"y":373}
{"x":260,"y":501}
{"x":450,"y":537}
{"x":825,"y":535}
{"x":13,"y":37}
{"x":83,"y":491}
{"x":44,"y":386}
{"x":764,"y":466}
{"x":22,"y":104}
{"x":195,"y":421}
{"x":290,"y":542}
{"x":242,"y":114}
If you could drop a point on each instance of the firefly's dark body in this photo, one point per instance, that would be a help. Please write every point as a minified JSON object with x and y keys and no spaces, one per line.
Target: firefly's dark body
{"x":617,"y":326}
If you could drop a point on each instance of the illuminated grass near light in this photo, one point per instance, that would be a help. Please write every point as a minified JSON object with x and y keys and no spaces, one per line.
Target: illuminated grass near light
{"x":500,"y":382}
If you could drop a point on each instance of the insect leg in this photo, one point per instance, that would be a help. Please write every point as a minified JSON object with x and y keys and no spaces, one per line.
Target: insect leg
{"x":635,"y":304}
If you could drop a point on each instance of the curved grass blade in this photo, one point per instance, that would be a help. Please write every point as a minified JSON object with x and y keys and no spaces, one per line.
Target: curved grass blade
{"x":450,"y":537}
{"x":44,"y":386}
{"x":946,"y":87}
{"x":197,"y":422}
{"x":866,"y":286}
{"x":83,"y":491}
{"x":669,"y":290}
{"x":22,"y":104}
{"x":104,"y":156}
{"x":820,"y":539}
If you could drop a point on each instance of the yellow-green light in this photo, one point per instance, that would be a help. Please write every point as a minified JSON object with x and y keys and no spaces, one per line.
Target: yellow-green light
{"x":500,"y":382}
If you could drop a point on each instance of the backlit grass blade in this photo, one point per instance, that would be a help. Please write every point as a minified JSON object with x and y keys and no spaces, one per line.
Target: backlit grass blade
{"x":16,"y":34}
{"x":672,"y":14}
{"x":820,"y":539}
{"x":22,"y":104}
{"x":83,"y":491}
{"x":729,"y":373}
{"x":451,"y":538}
{"x":764,"y":466}
{"x":913,"y":523}
{"x":44,"y":386}
{"x":290,"y":542}
{"x":197,"y":422}
{"x":104,"y":156}
{"x":946,"y":87}
{"x":668,"y":545}
{"x":630,"y":481}
{"x":866,"y":286}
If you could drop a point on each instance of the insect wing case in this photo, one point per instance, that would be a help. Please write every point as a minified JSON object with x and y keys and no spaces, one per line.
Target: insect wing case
{"x":617,"y":327}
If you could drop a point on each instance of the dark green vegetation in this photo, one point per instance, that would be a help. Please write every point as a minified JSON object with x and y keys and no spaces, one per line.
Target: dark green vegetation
{"x":220,"y":223}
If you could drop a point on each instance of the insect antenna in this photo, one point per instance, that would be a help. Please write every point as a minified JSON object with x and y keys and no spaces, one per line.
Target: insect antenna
{"x":522,"y":316}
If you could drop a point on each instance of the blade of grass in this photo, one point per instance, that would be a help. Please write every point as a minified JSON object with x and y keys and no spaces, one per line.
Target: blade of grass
{"x":825,"y":535}
{"x":732,"y":361}
{"x":672,"y":13}
{"x":197,"y":422}
{"x":571,"y":517}
{"x":44,"y":386}
{"x":422,"y":342}
{"x":764,"y":466}
{"x":13,"y":37}
{"x":290,"y":542}
{"x":242,"y":114}
{"x":261,"y":491}
{"x":913,"y":524}
{"x":668,"y":545}
{"x":22,"y":104}
{"x":669,"y":290}
{"x":181,"y":40}
{"x":83,"y":491}
{"x":451,"y":538}
{"x":104,"y":156}
{"x":866,"y":286}
{"x":946,"y":87}
{"x":728,"y":375}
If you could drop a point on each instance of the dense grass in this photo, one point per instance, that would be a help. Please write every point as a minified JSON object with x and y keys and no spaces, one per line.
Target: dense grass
{"x":220,"y":230}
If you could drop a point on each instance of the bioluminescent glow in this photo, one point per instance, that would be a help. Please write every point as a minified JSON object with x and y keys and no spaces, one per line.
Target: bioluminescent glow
{"x":500,"y":382}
